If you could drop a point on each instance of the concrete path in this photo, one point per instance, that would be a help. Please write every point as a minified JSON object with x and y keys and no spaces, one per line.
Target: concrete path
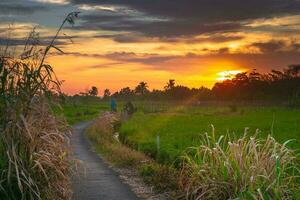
{"x":95,"y":180}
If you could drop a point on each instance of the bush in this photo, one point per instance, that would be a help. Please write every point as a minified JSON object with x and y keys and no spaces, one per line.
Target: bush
{"x":101,"y":134}
{"x":33,"y":144}
{"x":163,"y":177}
{"x":245,"y":168}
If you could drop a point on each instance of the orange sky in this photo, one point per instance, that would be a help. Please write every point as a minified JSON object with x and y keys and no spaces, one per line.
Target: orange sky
{"x":105,"y":63}
{"x":119,"y":44}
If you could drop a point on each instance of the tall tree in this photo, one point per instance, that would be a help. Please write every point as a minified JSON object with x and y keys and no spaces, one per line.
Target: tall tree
{"x":126,"y":91}
{"x":93,"y":91}
{"x":106,"y":93}
{"x":141,"y":88}
{"x":170,"y":84}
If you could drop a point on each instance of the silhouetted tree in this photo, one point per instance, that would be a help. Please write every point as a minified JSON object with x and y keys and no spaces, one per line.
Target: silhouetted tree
{"x":170,"y":84}
{"x":93,"y":91}
{"x":141,"y":88}
{"x":106,"y":94}
{"x":276,"y":85}
{"x":126,"y":91}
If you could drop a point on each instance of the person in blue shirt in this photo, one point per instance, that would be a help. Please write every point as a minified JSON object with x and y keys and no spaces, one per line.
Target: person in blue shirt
{"x":113,"y":105}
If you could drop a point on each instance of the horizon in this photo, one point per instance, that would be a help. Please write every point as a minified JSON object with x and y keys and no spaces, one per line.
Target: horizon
{"x":115,"y":44}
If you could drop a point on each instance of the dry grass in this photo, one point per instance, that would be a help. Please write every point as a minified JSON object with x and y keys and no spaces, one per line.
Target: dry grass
{"x":37,"y":166}
{"x":34,"y":161}
{"x":101,"y":133}
{"x":245,"y":168}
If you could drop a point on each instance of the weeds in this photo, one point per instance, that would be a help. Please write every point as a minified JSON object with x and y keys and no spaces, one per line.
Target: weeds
{"x":245,"y":168}
{"x":34,"y":156}
{"x":101,"y":133}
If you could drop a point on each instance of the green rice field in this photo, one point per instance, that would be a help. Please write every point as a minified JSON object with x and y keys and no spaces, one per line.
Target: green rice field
{"x":181,"y":127}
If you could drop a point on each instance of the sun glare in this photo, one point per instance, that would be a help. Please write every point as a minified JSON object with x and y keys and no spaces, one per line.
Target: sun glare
{"x":225,"y":75}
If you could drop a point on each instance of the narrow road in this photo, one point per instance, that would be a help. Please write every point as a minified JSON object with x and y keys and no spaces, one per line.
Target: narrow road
{"x":94,"y":179}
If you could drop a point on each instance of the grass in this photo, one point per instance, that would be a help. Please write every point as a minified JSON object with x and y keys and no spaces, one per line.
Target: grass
{"x":82,"y":111}
{"x":34,"y":152}
{"x":101,"y":135}
{"x":180,"y":128}
{"x":209,"y":166}
{"x":242,"y":168}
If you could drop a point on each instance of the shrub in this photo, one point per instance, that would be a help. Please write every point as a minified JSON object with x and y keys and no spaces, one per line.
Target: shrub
{"x":101,"y":133}
{"x":163,"y":177}
{"x":33,"y":144}
{"x":245,"y":168}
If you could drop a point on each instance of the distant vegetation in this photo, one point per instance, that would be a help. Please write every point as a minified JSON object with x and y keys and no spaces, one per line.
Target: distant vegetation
{"x":275,"y":87}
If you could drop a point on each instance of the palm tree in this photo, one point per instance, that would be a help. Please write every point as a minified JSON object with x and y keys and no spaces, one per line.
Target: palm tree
{"x":170,"y":85}
{"x":141,"y":88}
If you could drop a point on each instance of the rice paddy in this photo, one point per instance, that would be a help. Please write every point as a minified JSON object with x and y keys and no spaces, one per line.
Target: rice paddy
{"x":182,"y":127}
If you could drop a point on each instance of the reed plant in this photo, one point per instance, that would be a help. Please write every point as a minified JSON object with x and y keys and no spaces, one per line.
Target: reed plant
{"x":243,"y":168}
{"x":34,"y":160}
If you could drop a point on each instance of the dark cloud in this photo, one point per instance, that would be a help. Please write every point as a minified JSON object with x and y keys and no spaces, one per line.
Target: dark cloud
{"x":184,"y":18}
{"x":206,"y":11}
{"x":43,"y":41}
{"x":296,"y":46}
{"x":264,"y":62}
{"x":136,"y":38}
{"x":148,"y":59}
{"x":274,"y":46}
{"x":153,"y":27}
{"x":127,"y":57}
{"x":20,"y":8}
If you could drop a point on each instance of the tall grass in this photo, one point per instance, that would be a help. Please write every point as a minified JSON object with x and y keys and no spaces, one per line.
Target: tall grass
{"x":101,"y":134}
{"x":34,"y":155}
{"x":245,"y":168}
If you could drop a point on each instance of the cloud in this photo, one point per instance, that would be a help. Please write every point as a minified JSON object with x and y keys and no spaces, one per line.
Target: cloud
{"x":165,"y":18}
{"x":42,"y":41}
{"x":206,"y":10}
{"x":127,"y":57}
{"x":19,"y":8}
{"x":275,"y":46}
{"x":62,"y":2}
{"x":152,"y":27}
{"x":271,"y":46}
{"x":139,"y":38}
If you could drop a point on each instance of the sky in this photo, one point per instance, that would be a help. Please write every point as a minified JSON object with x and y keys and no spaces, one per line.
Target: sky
{"x":118,"y":43}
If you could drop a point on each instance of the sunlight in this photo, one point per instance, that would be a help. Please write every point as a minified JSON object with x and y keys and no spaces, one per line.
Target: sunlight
{"x":229,"y":74}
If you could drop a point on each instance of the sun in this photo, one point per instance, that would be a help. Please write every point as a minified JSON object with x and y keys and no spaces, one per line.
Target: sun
{"x":225,"y":75}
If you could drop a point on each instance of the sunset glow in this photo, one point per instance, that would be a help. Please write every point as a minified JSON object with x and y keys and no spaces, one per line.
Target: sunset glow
{"x":115,"y":44}
{"x":224,"y":75}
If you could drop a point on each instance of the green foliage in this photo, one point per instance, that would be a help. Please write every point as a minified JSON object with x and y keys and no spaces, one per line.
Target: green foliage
{"x":243,"y":168}
{"x":163,"y":177}
{"x":180,"y":127}
{"x":101,"y":134}
{"x":81,"y":111}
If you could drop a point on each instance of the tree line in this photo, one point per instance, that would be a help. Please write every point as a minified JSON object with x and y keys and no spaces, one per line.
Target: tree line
{"x":276,"y":85}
